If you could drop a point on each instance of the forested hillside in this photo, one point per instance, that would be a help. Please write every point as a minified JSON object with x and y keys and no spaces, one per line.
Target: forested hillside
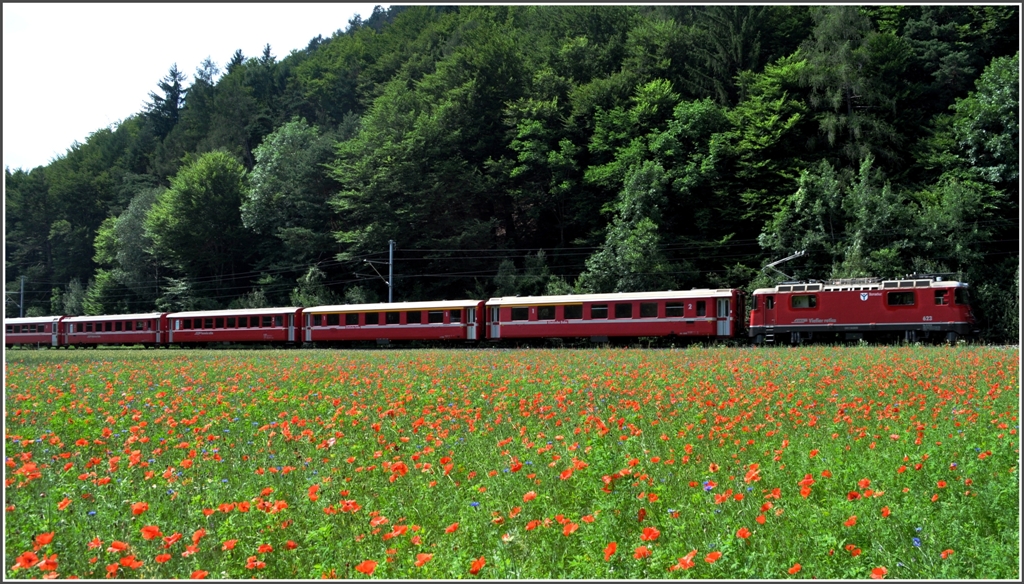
{"x":525,"y":149}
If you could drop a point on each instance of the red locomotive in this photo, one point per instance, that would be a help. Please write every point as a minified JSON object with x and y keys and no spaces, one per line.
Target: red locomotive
{"x":914,"y":308}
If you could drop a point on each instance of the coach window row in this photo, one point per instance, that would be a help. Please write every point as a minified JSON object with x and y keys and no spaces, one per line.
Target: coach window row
{"x":392,"y":317}
{"x":28,"y":328}
{"x":618,"y":310}
{"x":230,"y":322}
{"x":109,"y":326}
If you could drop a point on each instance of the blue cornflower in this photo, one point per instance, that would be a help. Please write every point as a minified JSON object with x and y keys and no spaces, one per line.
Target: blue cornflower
{"x":917,"y":542}
{"x":474,"y":504}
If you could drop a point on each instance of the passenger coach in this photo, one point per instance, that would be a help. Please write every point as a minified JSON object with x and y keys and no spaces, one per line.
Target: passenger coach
{"x":116,"y":329}
{"x":913,"y":309}
{"x":244,"y":326}
{"x":600,"y":317}
{"x":444,"y":320}
{"x":41,"y":331}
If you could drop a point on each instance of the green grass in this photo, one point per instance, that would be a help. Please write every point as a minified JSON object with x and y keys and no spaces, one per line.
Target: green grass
{"x":420,"y":440}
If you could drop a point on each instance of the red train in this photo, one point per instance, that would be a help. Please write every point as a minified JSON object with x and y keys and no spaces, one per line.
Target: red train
{"x":913,"y":309}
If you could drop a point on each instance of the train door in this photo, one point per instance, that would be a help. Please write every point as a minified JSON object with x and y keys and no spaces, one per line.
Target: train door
{"x":53,"y":332}
{"x":471,"y":324}
{"x":495,"y":331}
{"x":291,"y":328}
{"x":722,"y":314}
{"x":769,"y":310}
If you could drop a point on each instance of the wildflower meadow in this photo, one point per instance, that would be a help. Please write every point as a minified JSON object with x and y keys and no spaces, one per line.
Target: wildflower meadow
{"x":810,"y":462}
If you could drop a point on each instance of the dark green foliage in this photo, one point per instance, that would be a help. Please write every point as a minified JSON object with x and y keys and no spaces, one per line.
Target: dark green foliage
{"x":638,"y":147}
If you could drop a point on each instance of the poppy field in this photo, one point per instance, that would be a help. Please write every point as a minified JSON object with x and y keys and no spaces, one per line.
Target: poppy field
{"x":811,"y":462}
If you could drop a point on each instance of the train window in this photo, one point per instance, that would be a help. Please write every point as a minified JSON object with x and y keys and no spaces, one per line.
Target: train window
{"x":372,"y":318}
{"x":623,"y":310}
{"x":648,"y":310}
{"x":414,"y":317}
{"x":900,"y":298}
{"x":545,"y":313}
{"x":351,"y":318}
{"x":520,"y":313}
{"x":701,"y":308}
{"x":391,"y":317}
{"x":941,"y":297}
{"x":673,"y":309}
{"x":208,"y":323}
{"x":88,"y":327}
{"x":220,"y":323}
{"x":267,"y":321}
{"x":436,"y":316}
{"x":109,"y":326}
{"x":231,"y":322}
{"x":332,"y":320}
{"x":140,"y":325}
{"x":318,"y":319}
{"x":455,"y":315}
{"x":572,"y":311}
{"x":279,"y":320}
{"x":960,"y":296}
{"x":769,"y":302}
{"x":598,"y":311}
{"x":10,"y":328}
{"x":804,"y":300}
{"x":118,"y":326}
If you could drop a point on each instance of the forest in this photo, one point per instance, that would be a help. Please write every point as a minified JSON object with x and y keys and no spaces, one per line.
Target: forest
{"x":546,"y":149}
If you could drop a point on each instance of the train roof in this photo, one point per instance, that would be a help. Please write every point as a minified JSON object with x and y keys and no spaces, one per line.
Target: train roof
{"x":612,"y":297}
{"x":851,"y":284}
{"x":233,"y":312}
{"x":31,"y":319}
{"x":105,"y":317}
{"x":393,"y":306}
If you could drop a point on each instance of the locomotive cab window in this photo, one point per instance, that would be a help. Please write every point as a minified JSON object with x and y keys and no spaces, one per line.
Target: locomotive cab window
{"x":520,"y":313}
{"x":673,"y":309}
{"x":960,"y":296}
{"x":623,"y":310}
{"x":941,"y":297}
{"x":804,"y":300}
{"x":572,"y":311}
{"x":351,"y":318}
{"x":701,"y":308}
{"x":545,"y":313}
{"x":599,"y":311}
{"x":900,"y":298}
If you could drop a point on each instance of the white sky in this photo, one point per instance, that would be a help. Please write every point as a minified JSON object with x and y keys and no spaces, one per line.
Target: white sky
{"x":72,"y":69}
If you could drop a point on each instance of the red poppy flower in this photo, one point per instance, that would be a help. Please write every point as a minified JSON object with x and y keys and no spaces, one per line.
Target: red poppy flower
{"x":864,"y":483}
{"x":290,"y":544}
{"x":760,"y":519}
{"x":946,"y":553}
{"x":609,"y":550}
{"x":794,"y":568}
{"x":852,"y":496}
{"x":712,"y":557}
{"x":162,"y":558}
{"x":879,"y":572}
{"x":451,"y":528}
{"x":743,"y":533}
{"x":229,"y":545}
{"x":477,"y":564}
{"x":851,"y":521}
{"x":139,"y":508}
{"x":942,"y":484}
{"x":650,"y":534}
{"x":366,"y":567}
{"x":44,"y":539}
{"x":885,"y":512}
{"x":199,"y":574}
{"x":570,"y":528}
{"x":641,"y":552}
{"x":684,"y":563}
{"x":117,"y":546}
{"x":265,"y":548}
{"x":422,"y":559}
{"x":529,"y":497}
{"x":151,"y":532}
{"x":63,"y":504}
{"x":25,"y":560}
